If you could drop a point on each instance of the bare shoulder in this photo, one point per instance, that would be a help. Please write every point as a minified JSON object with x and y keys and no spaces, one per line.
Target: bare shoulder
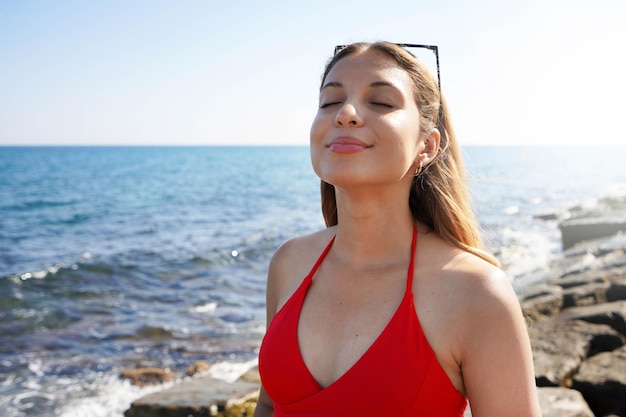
{"x":300,"y":253}
{"x":476,"y":284}
{"x":485,"y":330}
{"x":485,"y":286}
{"x":487,"y":309}
{"x":291,"y":263}
{"x":464,"y":293}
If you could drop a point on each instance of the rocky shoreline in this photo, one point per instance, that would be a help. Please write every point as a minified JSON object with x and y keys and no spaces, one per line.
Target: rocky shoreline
{"x":576,"y":313}
{"x":577,"y":328}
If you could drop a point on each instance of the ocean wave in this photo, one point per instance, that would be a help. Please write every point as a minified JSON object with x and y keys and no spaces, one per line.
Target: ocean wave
{"x":105,"y":396}
{"x":206,"y":308}
{"x":38,"y":205}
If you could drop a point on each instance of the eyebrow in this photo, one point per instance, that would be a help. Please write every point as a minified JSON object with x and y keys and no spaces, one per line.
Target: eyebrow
{"x":331,"y":84}
{"x":374,"y":84}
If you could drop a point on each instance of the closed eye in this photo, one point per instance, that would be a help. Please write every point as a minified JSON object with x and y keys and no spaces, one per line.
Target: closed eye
{"x":380,"y":104}
{"x":329,"y":104}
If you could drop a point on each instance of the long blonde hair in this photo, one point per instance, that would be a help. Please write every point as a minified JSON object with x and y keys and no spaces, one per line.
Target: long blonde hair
{"x":439,"y":197}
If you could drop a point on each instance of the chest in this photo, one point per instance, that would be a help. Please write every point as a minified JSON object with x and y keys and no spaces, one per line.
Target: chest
{"x":341,"y":318}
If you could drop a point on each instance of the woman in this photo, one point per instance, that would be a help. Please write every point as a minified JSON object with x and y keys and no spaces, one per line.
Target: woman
{"x":393,"y":309}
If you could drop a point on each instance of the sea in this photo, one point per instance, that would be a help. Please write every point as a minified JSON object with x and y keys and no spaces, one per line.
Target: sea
{"x":114,"y":258}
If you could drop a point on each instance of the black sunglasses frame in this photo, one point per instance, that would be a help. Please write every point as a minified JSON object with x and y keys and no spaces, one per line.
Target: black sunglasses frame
{"x":433,"y":48}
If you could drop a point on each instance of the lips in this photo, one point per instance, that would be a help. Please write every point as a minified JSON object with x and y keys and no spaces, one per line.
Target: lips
{"x":346,"y":144}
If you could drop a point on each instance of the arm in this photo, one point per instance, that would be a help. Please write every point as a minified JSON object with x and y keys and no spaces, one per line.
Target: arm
{"x":265,"y":406}
{"x":288,"y":266}
{"x":497,"y":364}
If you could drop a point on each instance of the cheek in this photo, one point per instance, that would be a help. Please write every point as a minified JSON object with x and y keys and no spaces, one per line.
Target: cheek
{"x":411,"y":132}
{"x":316,"y":139}
{"x":316,"y":132}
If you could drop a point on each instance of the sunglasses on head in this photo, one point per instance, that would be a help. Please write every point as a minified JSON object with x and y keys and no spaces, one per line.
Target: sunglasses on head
{"x":407,"y":47}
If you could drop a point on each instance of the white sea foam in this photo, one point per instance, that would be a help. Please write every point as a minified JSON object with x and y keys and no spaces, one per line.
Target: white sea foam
{"x":229,"y":371}
{"x":205,"y":308}
{"x":524,"y":251}
{"x":41,"y":274}
{"x":110,"y":397}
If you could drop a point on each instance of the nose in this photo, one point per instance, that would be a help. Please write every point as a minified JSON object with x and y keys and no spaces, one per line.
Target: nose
{"x":348,"y":116}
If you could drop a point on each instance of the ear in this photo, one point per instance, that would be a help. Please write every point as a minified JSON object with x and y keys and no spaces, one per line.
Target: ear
{"x":430,"y":147}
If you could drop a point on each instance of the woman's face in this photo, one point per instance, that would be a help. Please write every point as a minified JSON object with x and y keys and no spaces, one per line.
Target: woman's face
{"x":367,"y":127}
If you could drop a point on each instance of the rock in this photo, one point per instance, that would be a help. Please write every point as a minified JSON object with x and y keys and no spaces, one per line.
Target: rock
{"x":559,"y":215}
{"x":252,"y":376}
{"x":593,"y":277}
{"x":578,"y":230}
{"x":614,"y":259}
{"x":538,"y":290}
{"x":612,"y":314}
{"x":576,"y":261}
{"x":617,"y":290}
{"x":201,"y":396}
{"x":584,"y":295}
{"x":602,"y":381}
{"x":198,"y":368}
{"x":562,"y":402}
{"x":542,"y":306}
{"x":157,"y":333}
{"x":147,"y":376}
{"x":559,"y":347}
{"x":243,"y":407}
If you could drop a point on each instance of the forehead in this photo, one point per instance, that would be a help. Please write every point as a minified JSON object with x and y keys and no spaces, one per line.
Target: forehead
{"x":370,"y":66}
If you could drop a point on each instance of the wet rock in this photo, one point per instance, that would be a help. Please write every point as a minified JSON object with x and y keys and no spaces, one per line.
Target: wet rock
{"x":147,"y":376}
{"x":560,"y":346}
{"x":156,"y":333}
{"x":198,"y":367}
{"x":562,"y":402}
{"x":602,"y":381}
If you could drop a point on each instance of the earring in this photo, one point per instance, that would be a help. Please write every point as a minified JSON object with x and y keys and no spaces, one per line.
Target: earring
{"x":418,"y":170}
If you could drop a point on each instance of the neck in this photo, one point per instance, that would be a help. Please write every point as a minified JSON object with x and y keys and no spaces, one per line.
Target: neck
{"x":374,"y":227}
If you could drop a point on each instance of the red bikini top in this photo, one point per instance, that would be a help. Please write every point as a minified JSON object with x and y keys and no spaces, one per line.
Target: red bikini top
{"x":398,"y":375}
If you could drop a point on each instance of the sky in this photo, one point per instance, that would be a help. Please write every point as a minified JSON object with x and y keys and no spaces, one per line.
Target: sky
{"x":190,"y":72}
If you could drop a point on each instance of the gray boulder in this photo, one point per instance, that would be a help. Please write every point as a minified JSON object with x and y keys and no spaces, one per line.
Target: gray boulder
{"x":560,"y":346}
{"x":562,"y":402}
{"x":577,"y":230}
{"x":584,"y":295}
{"x":602,"y":381}
{"x":200,"y":396}
{"x":612,"y":314}
{"x":617,"y":290}
{"x":543,"y":305}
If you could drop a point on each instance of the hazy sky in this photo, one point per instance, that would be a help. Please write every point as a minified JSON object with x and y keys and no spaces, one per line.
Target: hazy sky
{"x":247,"y":72}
